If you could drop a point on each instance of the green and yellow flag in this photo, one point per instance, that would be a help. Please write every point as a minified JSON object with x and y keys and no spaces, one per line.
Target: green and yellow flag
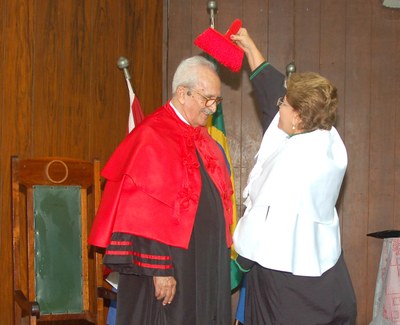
{"x":216,"y":128}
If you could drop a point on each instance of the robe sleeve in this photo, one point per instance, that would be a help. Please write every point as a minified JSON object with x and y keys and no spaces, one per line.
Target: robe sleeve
{"x":130,"y":254}
{"x":268,"y":84}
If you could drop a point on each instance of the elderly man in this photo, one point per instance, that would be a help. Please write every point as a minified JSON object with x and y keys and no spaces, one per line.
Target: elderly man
{"x":166,"y":211}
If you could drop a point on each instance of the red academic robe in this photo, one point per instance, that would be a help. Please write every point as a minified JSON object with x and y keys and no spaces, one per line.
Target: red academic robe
{"x":153,"y":182}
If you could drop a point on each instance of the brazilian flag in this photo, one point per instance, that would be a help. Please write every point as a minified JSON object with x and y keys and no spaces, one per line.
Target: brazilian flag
{"x":216,"y":128}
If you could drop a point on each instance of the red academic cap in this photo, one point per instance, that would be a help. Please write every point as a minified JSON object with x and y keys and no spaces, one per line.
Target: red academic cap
{"x":221,"y":47}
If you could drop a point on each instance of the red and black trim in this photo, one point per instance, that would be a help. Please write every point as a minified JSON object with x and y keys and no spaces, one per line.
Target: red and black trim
{"x":137,"y":255}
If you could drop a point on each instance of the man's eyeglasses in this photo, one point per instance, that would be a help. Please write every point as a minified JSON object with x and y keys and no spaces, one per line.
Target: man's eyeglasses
{"x":208,"y":101}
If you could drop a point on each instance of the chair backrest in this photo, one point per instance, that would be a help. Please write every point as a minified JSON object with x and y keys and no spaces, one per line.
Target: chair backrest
{"x":56,"y":277}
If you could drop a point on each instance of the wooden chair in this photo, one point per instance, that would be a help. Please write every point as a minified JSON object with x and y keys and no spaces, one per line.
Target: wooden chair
{"x":56,"y":275}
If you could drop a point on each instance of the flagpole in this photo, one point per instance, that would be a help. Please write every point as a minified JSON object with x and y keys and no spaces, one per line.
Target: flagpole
{"x":290,"y":68}
{"x":212,"y":8}
{"x":135,"y":110}
{"x":123,"y":64}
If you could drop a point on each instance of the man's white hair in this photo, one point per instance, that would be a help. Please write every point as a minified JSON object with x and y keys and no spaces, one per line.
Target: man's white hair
{"x":187,"y":72}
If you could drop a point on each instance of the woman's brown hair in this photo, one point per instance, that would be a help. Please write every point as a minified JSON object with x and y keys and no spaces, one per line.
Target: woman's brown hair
{"x":314,"y":98}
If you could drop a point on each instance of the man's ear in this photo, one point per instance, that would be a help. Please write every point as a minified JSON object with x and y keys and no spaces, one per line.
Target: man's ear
{"x":181,"y":94}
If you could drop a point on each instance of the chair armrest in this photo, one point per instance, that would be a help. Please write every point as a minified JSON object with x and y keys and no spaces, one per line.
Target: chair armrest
{"x":28,"y":307}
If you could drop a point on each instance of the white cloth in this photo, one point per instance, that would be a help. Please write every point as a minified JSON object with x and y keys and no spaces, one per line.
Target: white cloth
{"x":387,"y":291}
{"x":290,"y":223}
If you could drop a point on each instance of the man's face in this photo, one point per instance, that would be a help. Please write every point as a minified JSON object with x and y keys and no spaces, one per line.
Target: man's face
{"x":194,"y":108}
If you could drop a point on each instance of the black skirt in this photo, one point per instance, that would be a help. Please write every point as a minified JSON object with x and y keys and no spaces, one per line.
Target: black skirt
{"x":281,"y":298}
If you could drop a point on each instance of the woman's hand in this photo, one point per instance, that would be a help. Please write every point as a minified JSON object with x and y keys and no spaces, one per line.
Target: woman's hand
{"x":243,"y":40}
{"x":165,"y":288}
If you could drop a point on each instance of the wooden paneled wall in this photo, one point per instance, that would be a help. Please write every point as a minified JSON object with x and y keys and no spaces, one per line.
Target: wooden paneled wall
{"x":354,"y":43}
{"x":61,"y":92}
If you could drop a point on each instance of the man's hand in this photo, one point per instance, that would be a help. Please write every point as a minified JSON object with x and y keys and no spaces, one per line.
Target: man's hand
{"x":165,"y":288}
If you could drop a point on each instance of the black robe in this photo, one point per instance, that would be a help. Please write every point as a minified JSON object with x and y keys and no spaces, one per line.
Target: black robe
{"x":202,"y":271}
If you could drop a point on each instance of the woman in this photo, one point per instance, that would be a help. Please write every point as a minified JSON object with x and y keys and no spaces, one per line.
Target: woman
{"x":288,"y":239}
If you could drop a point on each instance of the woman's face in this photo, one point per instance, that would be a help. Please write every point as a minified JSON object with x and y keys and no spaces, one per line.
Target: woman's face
{"x":288,"y":117}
